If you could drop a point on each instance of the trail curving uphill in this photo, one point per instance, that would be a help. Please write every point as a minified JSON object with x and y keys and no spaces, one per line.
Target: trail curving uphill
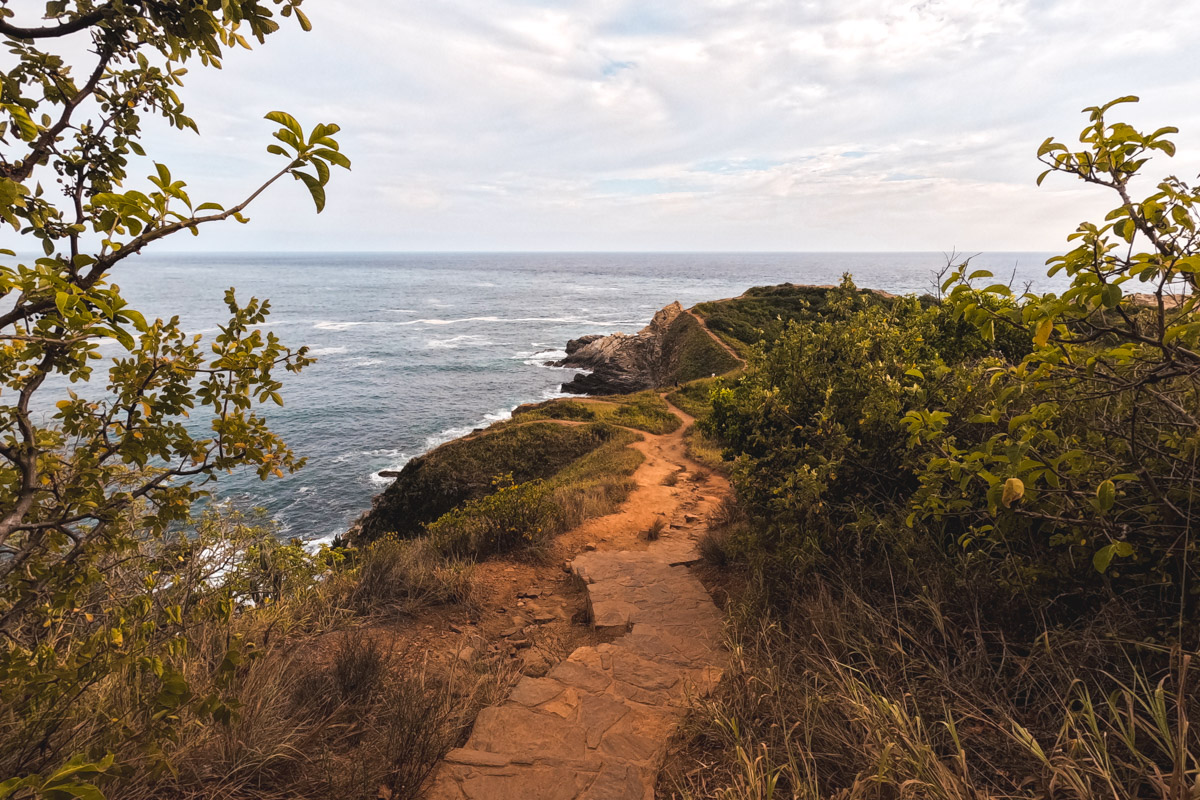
{"x":597,"y":725}
{"x":724,"y":344}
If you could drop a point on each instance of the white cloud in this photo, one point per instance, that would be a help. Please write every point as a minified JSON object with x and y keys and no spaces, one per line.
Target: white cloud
{"x":767,"y":124}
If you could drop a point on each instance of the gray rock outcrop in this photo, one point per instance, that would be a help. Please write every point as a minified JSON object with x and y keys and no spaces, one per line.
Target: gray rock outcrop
{"x":621,"y":363}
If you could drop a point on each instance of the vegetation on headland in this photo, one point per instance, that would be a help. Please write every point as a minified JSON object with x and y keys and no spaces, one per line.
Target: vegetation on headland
{"x":966,"y":524}
{"x":968,"y":528}
{"x":694,"y":354}
{"x":762,"y":313}
{"x":644,"y":411}
{"x":467,"y":469}
{"x":520,"y":515}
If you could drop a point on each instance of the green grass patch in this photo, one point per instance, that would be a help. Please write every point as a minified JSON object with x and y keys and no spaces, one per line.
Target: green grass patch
{"x":694,"y":398}
{"x":466,"y":469}
{"x":644,"y":411}
{"x":704,"y":449}
{"x":693,"y":353}
{"x":526,"y":515}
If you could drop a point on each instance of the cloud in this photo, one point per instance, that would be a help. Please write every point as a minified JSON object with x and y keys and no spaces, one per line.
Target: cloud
{"x":707,"y":124}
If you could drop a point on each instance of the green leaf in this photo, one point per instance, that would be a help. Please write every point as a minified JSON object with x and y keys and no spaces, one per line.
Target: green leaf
{"x":1104,"y":556}
{"x":287,"y":120}
{"x":1111,"y":295}
{"x":1106,"y":495}
{"x":333,"y":156}
{"x":314,"y":188}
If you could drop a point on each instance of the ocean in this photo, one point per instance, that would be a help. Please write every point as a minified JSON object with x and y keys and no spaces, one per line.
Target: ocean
{"x":416,"y":349}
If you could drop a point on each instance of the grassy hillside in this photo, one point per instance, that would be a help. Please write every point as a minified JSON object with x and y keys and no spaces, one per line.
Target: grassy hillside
{"x":466,"y":469}
{"x":526,"y":514}
{"x":644,"y":411}
{"x":693,"y":397}
{"x":690,"y":353}
{"x":763,"y":312}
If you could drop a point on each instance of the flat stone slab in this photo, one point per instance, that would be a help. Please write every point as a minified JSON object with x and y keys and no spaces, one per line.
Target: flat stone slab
{"x":597,"y":726}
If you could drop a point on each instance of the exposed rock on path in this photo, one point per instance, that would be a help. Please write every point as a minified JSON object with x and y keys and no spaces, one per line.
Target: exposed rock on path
{"x":596,"y":726}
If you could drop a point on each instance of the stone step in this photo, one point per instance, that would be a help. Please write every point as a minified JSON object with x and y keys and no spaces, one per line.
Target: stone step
{"x":597,"y":726}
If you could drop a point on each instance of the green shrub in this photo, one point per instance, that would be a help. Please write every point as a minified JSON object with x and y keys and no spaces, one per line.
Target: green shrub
{"x":514,"y":516}
{"x":762,"y":313}
{"x":815,"y":423}
{"x":1076,"y":466}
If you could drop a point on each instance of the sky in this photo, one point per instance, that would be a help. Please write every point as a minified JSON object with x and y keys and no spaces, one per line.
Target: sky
{"x":685,"y":125}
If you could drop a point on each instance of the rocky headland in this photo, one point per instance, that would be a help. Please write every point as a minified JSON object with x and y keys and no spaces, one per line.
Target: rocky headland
{"x":673,"y":348}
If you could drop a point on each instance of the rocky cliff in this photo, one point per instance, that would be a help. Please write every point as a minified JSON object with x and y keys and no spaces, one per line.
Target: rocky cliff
{"x":674,"y":347}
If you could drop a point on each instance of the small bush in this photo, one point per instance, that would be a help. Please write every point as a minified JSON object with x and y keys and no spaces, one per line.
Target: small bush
{"x":516,"y":515}
{"x":576,"y":502}
{"x":727,"y":514}
{"x":705,"y":448}
{"x":413,"y":721}
{"x":671,"y":479}
{"x":694,"y":398}
{"x":399,"y":575}
{"x":713,"y":546}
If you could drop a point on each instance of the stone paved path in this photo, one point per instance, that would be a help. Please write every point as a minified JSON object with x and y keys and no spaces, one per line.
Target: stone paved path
{"x":597,"y":726}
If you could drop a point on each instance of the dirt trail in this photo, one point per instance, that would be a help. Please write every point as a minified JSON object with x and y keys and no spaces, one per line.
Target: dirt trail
{"x":724,"y":344}
{"x":596,"y":726}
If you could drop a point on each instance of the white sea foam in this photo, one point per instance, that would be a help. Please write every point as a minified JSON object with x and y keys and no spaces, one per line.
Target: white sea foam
{"x":455,"y":342}
{"x":397,"y":463}
{"x":326,"y":351}
{"x":450,"y":434}
{"x":356,"y":455}
{"x":543,"y":358}
{"x":557,"y":394}
{"x":365,"y":362}
{"x":314,"y":545}
{"x":572,"y":320}
{"x":331,"y":325}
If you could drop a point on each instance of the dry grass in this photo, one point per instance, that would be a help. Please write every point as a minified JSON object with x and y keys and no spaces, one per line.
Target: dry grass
{"x":656,"y":529}
{"x":398,"y":576}
{"x":355,"y":727}
{"x":854,"y":701}
{"x":713,"y":546}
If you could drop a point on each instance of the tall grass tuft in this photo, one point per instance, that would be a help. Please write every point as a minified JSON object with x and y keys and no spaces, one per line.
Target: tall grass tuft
{"x":857,"y":700}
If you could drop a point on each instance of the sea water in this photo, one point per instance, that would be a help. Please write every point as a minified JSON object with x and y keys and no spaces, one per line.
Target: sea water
{"x":416,"y":349}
